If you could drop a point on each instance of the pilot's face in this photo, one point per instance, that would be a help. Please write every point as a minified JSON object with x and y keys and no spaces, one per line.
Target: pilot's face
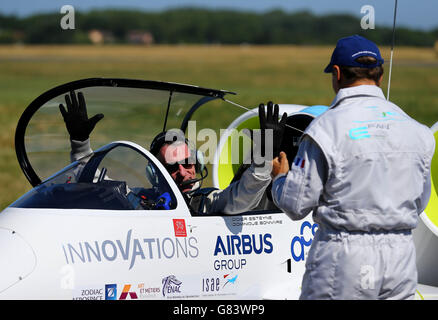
{"x":170,"y":155}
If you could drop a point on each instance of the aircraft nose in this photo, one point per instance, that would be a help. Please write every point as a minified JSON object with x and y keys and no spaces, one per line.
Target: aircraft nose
{"x":17,"y":259}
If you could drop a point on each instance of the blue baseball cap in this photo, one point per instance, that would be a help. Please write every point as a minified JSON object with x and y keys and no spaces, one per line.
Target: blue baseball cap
{"x":349,"y":49}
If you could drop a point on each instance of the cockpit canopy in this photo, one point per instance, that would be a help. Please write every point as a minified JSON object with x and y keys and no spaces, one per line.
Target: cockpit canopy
{"x":134,"y":110}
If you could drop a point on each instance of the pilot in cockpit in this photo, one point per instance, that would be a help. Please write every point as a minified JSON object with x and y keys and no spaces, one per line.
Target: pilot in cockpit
{"x":182,"y":161}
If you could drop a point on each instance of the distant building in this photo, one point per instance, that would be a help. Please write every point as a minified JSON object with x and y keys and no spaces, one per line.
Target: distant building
{"x":140,"y":37}
{"x":11,"y":36}
{"x":99,"y":36}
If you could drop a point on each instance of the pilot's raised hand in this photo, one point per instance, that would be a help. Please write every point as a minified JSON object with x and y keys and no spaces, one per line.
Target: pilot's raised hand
{"x":76,"y":119}
{"x":271,"y":121}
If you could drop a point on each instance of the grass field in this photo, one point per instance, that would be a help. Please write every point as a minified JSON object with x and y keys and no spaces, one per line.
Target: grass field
{"x":284,"y":74}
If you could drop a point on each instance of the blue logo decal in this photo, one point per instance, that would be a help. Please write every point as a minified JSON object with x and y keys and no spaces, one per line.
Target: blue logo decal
{"x":230,"y":279}
{"x":359,"y":133}
{"x":244,"y":244}
{"x":110,"y":292}
{"x":302,"y":241}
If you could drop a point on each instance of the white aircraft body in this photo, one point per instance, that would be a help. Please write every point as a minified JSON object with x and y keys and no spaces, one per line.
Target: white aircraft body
{"x":85,"y":236}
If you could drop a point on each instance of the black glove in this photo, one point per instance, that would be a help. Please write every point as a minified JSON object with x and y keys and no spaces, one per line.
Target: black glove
{"x":76,"y":119}
{"x":271,"y":121}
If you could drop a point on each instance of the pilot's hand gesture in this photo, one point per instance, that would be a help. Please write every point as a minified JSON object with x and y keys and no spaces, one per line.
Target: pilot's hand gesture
{"x":76,"y":119}
{"x":271,"y":121}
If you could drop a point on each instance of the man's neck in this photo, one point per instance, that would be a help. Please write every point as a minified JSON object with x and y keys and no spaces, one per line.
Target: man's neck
{"x":360,"y":82}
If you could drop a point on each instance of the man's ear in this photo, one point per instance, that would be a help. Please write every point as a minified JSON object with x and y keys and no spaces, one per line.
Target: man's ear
{"x":336,"y":78}
{"x":337,"y":72}
{"x":380,"y":81}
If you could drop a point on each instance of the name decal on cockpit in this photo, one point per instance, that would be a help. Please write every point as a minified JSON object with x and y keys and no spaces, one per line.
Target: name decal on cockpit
{"x":130,"y":249}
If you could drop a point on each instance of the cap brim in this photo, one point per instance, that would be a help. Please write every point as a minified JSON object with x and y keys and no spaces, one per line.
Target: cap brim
{"x":329,"y":68}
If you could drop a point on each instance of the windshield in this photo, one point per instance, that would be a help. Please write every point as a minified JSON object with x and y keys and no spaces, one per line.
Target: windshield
{"x":131,"y":113}
{"x":116,"y":177}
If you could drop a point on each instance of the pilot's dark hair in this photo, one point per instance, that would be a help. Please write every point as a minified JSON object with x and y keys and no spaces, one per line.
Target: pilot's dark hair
{"x":163,"y":138}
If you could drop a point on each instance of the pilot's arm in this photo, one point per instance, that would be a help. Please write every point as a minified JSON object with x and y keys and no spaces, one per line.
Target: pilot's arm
{"x":78,"y":125}
{"x":79,"y":149}
{"x":298,"y":191}
{"x":242,"y":195}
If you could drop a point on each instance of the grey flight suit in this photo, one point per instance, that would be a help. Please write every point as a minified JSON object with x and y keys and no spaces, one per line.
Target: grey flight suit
{"x":240,"y":196}
{"x":363,"y":168}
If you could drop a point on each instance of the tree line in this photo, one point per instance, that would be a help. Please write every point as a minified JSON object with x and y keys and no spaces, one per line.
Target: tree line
{"x":206,"y":26}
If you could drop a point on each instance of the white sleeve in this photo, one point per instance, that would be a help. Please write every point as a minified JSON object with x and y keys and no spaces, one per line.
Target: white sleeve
{"x":425,"y":196}
{"x":244,"y":194}
{"x":79,"y":149}
{"x":298,"y":192}
{"x":427,"y":189}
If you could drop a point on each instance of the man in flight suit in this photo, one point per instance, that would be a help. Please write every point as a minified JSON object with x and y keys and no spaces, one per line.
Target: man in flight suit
{"x":176,"y":156}
{"x":363,"y":168}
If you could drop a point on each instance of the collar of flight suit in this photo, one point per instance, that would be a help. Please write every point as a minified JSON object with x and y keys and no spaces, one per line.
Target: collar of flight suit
{"x":357,"y":91}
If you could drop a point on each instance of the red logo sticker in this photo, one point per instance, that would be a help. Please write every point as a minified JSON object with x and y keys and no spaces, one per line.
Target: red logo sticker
{"x":126,"y":291}
{"x":179,"y":225}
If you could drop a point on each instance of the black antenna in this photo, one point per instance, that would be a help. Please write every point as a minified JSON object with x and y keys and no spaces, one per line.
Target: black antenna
{"x":167,"y":111}
{"x":392,"y":49}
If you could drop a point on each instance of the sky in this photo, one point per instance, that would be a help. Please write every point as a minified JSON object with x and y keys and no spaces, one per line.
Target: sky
{"x":417,"y":14}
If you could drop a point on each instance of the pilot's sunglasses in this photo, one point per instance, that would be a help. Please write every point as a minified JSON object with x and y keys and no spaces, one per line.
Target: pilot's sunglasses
{"x":173,"y":167}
